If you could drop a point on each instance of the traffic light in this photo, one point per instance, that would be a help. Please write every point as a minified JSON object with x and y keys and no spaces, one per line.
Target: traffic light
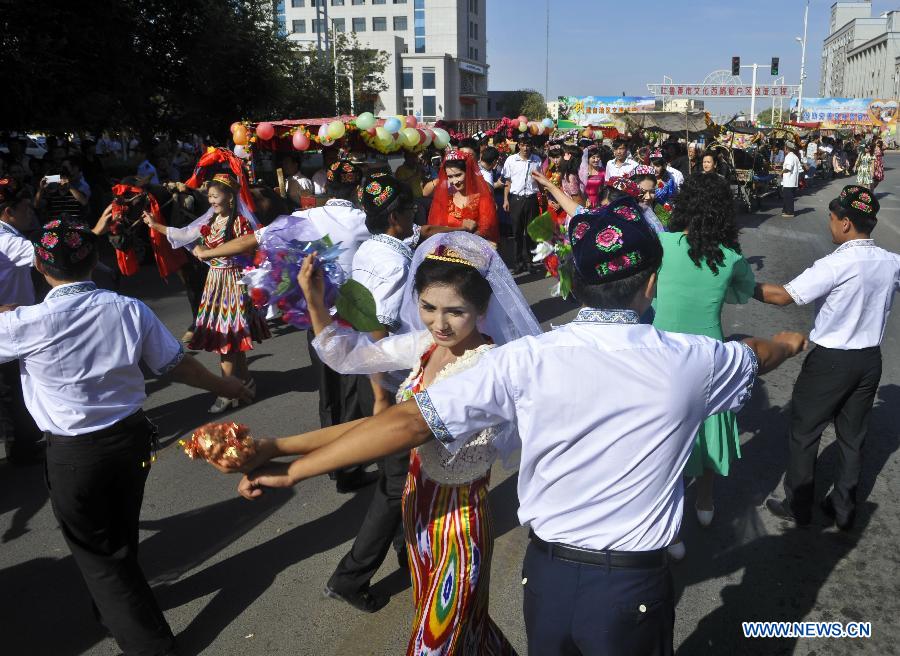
{"x":735,"y":66}
{"x":774,"y":65}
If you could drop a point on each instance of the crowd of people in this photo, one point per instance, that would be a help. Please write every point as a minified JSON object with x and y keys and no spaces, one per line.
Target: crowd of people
{"x":458,"y":372}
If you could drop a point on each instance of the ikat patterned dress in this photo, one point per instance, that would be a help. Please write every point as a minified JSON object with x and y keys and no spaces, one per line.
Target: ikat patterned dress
{"x":226,"y":320}
{"x":450,"y":538}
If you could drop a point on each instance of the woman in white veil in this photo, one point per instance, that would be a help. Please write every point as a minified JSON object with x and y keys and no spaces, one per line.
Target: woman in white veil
{"x":459,"y":303}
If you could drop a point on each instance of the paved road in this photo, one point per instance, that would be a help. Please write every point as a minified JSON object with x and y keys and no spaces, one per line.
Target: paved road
{"x":236,"y":577}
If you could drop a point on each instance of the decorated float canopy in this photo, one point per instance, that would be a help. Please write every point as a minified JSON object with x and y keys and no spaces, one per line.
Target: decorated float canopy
{"x":384,"y":135}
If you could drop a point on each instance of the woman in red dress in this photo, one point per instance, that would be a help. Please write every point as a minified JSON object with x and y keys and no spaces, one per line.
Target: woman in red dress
{"x":462,"y":193}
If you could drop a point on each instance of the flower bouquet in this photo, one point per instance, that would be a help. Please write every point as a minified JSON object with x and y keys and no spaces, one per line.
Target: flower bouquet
{"x":553,"y":251}
{"x":228,"y":441}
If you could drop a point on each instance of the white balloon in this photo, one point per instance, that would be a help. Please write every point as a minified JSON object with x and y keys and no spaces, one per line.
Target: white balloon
{"x":241,"y":152}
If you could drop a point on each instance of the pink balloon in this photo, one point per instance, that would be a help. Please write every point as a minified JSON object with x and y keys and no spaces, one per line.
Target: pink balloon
{"x":411,"y":121}
{"x":300,"y":140}
{"x":422,"y":136}
{"x":371,"y":131}
{"x":265,"y":131}
{"x":523,"y":119}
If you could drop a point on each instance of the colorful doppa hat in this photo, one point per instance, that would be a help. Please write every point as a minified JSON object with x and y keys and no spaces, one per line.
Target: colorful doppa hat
{"x":859,"y":202}
{"x":65,"y":244}
{"x":344,"y":172}
{"x":613,"y":242}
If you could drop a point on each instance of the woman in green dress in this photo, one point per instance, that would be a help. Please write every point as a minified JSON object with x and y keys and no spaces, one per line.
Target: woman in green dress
{"x":865,"y":165}
{"x":703,"y":268}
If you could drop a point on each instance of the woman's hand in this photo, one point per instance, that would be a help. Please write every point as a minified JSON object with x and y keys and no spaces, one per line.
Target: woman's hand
{"x":542,"y":179}
{"x":201,"y":252}
{"x":311,"y":279}
{"x":102,"y":225}
{"x":469,"y":225}
{"x":273,"y":475}
{"x":148,"y":219}
{"x":264,"y":450}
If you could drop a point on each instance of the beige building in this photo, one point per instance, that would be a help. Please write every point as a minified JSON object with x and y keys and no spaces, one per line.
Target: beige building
{"x":861,"y":54}
{"x":438,"y":49}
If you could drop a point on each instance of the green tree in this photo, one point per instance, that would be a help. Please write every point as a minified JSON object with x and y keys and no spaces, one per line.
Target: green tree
{"x":766,"y":117}
{"x":163,"y":66}
{"x":534,"y":106}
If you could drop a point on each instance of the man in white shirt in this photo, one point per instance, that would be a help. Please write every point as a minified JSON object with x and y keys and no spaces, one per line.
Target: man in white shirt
{"x":296,"y":184}
{"x":853,"y":290}
{"x":790,"y":179}
{"x":520,"y":198}
{"x":330,"y":155}
{"x":79,"y":353}
{"x":602,"y":491}
{"x":621,"y":164}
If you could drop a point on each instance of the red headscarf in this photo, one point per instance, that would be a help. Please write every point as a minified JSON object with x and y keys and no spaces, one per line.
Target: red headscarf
{"x":214,"y":161}
{"x":168,"y":261}
{"x":480,"y":205}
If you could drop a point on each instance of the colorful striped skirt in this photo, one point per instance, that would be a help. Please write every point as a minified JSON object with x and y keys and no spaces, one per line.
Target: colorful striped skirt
{"x":227,"y":321}
{"x":450,"y":539}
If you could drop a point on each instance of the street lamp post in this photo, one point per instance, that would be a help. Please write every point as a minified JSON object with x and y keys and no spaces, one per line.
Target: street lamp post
{"x":802,"y":62}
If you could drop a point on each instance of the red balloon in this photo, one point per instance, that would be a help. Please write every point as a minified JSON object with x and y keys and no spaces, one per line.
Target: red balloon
{"x":371,"y":132}
{"x":265,"y":131}
{"x":411,"y":121}
{"x":300,"y":140}
{"x":523,"y":119}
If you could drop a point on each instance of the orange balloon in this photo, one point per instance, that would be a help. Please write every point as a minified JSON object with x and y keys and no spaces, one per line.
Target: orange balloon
{"x":240,"y":136}
{"x":235,"y":126}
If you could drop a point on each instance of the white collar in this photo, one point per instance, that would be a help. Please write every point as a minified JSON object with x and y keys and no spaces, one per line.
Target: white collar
{"x":855,"y":243}
{"x":395,"y":244}
{"x":4,"y":226}
{"x":338,"y":202}
{"x":592,"y":315}
{"x":71,"y":288}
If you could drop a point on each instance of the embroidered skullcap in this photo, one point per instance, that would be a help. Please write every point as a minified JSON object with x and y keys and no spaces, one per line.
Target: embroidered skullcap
{"x":227,"y":180}
{"x":859,"y":202}
{"x":523,"y":138}
{"x":65,"y":244}
{"x":379,"y":193}
{"x":344,"y":172}
{"x":656,"y":153}
{"x":623,"y":183}
{"x":613,"y":242}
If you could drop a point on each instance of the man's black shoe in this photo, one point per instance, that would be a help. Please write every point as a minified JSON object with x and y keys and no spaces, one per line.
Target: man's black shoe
{"x":352,"y":481}
{"x":843,"y":523}
{"x":781,"y":510}
{"x":364,"y":601}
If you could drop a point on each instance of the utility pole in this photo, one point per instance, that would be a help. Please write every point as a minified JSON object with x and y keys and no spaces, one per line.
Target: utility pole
{"x":547,"y":59}
{"x":802,"y":62}
{"x":337,"y":110}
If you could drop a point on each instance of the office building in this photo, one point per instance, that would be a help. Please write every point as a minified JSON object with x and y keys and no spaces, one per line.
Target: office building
{"x":438,"y":54}
{"x":861,"y":54}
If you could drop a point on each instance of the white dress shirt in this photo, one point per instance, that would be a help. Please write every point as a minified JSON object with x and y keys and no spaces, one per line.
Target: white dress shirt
{"x":790,"y":176}
{"x":853,"y":289}
{"x":518,"y":171}
{"x":319,"y":180}
{"x":616,"y":170}
{"x":607,"y":410}
{"x":79,"y":354}
{"x":16,"y":259}
{"x":342,"y":222}
{"x":382,"y":264}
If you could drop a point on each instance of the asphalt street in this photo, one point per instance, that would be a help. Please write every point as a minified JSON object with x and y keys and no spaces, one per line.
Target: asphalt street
{"x":240,"y":577}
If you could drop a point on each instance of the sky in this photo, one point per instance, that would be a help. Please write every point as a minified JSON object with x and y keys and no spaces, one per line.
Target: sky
{"x":605,"y":47}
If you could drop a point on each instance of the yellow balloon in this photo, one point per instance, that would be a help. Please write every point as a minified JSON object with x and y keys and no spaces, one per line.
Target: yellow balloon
{"x":383,"y":137}
{"x":336,"y":130}
{"x":412,"y":136}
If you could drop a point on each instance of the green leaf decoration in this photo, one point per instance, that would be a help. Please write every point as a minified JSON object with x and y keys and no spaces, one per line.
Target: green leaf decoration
{"x":356,"y":305}
{"x":542,"y":228}
{"x":284,"y":285}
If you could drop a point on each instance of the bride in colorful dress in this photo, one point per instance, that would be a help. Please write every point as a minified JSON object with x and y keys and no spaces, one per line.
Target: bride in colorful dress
{"x":227,"y":323}
{"x":461,"y":193}
{"x":461,"y":302}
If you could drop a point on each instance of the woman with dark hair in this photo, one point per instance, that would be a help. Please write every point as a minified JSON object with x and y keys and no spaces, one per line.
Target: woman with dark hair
{"x":462,"y":194}
{"x":878,"y":165}
{"x":460,"y":302}
{"x":592,"y":174}
{"x":865,"y":167}
{"x":702,"y":268}
{"x":569,"y":180}
{"x":227,"y":322}
{"x":666,"y":185}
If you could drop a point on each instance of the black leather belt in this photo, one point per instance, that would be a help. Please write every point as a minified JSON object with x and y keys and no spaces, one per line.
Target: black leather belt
{"x":523,"y":195}
{"x":620,"y":559}
{"x":123,"y":426}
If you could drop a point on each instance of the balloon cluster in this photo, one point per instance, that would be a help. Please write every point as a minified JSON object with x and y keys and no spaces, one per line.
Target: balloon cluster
{"x":398,"y":132}
{"x":229,"y":441}
{"x":274,"y":281}
{"x":535,"y":128}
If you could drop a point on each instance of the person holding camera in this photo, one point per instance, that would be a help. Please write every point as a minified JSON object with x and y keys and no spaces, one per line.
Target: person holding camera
{"x":65,"y":193}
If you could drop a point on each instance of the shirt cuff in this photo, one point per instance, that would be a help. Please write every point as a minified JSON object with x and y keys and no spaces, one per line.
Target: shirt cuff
{"x":754,"y":364}
{"x":391,"y":323}
{"x":174,"y":362}
{"x":432,"y":418}
{"x":794,"y":295}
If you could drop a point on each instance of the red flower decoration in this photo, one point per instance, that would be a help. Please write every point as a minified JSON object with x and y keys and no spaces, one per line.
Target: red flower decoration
{"x":205,"y":230}
{"x":552,"y":264}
